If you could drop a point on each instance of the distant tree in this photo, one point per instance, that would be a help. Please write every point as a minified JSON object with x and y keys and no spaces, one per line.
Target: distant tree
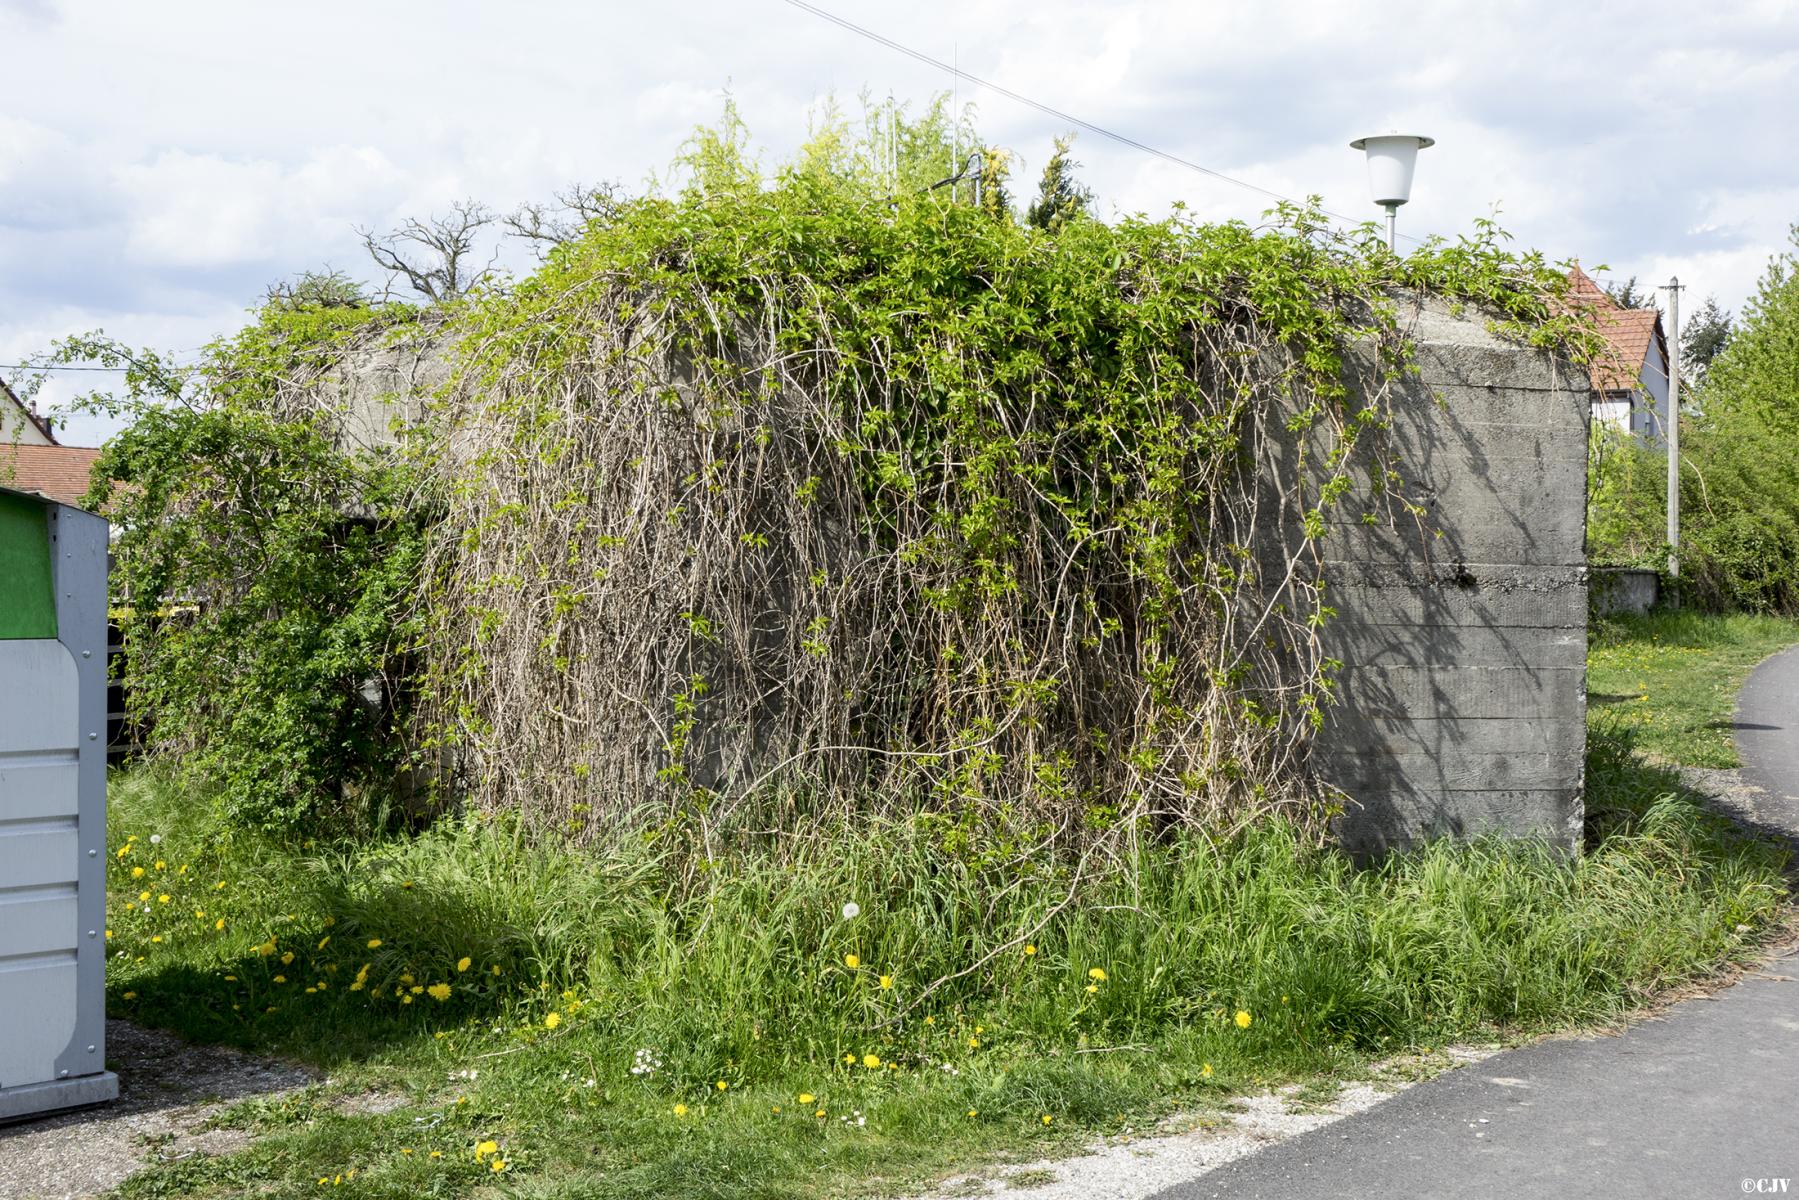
{"x":1703,"y":337}
{"x":576,"y":207}
{"x":1628,"y":295}
{"x":317,"y":289}
{"x":1060,"y":197}
{"x":433,"y":255}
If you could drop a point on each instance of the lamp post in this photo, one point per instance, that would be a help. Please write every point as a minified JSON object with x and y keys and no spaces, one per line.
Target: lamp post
{"x":1392,"y":157}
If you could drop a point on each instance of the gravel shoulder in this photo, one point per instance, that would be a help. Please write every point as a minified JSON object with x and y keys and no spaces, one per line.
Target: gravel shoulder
{"x":167,"y":1091}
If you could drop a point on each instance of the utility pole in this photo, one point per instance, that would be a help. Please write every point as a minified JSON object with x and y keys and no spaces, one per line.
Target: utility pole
{"x":1674,"y":427}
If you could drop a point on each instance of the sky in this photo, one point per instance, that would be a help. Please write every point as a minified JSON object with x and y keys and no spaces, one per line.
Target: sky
{"x":162,"y":163}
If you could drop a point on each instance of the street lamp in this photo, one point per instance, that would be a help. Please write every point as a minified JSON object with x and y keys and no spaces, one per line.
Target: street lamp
{"x":1391,"y":159}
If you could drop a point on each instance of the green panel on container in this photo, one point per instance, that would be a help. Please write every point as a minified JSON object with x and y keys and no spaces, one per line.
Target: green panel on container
{"x":27,"y":589}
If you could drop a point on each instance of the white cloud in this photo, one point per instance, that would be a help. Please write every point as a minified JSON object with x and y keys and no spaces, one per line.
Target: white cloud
{"x":160,"y":164}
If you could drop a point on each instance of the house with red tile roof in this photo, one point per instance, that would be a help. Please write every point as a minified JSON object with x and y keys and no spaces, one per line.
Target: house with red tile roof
{"x":1630,"y":379}
{"x":31,"y":459}
{"x":59,"y":472}
{"x":21,"y":424}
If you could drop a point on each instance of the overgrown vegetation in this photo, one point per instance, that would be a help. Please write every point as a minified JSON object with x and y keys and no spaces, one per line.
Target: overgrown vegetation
{"x":1739,"y":494}
{"x":586,"y":997}
{"x":784,"y":497}
{"x":1670,"y":679}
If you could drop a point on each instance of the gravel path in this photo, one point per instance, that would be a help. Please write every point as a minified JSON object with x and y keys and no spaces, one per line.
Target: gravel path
{"x":167,"y":1090}
{"x":1129,"y":1168}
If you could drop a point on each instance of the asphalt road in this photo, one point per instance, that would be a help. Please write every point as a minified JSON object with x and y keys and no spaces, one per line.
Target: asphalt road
{"x":1702,"y":1102}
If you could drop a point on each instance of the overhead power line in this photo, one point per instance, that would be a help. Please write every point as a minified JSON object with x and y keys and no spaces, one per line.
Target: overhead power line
{"x":1047,"y":110}
{"x":57,"y":370}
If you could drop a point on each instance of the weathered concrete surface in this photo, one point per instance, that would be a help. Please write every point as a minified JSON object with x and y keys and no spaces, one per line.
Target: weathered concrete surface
{"x":1463,"y":633}
{"x":1625,"y":589}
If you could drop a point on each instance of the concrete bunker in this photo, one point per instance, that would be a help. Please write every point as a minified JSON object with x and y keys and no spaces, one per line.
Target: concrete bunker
{"x":1462,"y":636}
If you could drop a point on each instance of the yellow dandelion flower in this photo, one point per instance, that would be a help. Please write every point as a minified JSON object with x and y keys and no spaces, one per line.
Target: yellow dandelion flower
{"x":219,"y":924}
{"x":157,"y":938}
{"x":288,"y":958}
{"x":1097,"y":975}
{"x":930,"y":1020}
{"x":439,"y":991}
{"x":851,"y":961}
{"x":405,"y":999}
{"x":322,"y":942}
{"x":407,"y":978}
{"x":160,"y":864}
{"x":807,"y":1097}
{"x":483,"y":1149}
{"x":1205,"y":1070}
{"x":1243,"y":1019}
{"x":494,"y":970}
{"x":871,"y":1061}
{"x":1047,"y":1118}
{"x":357,"y":986}
{"x":321,"y":985}
{"x":850,"y":1059}
{"x":219,"y":886}
{"x":553,"y":1020}
{"x":498,"y":1164}
{"x":230,"y":979}
{"x":131,"y":995}
{"x":973,"y":1042}
{"x":311,"y":990}
{"x":776,"y":1107}
{"x":886,"y":982}
{"x":680,"y":1110}
{"x":109,"y":934}
{"x":142,"y":896}
{"x":374,"y":943}
{"x":462,"y":964}
{"x":971,"y":1112}
{"x":437,"y":1154}
{"x":819,"y":1113}
{"x":280,"y":979}
{"x":1029,"y":949}
{"x":137,"y":872}
{"x":1092,"y":988}
{"x":405,"y":1149}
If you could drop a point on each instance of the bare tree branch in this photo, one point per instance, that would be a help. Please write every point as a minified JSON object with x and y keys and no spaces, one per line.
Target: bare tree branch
{"x":432,"y":255}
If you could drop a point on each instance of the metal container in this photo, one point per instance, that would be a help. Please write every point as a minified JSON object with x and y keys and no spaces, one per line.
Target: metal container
{"x":52,"y":807}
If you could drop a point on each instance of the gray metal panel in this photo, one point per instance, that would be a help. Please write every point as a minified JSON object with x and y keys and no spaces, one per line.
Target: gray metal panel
{"x":78,"y":545}
{"x":36,"y":1098}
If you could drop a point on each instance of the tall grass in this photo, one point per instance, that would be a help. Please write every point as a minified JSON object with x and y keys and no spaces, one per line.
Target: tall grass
{"x":741,"y":965}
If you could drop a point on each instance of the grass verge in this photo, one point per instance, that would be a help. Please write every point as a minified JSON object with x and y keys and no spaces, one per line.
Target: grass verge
{"x":642,"y":1023}
{"x":1671,"y":679}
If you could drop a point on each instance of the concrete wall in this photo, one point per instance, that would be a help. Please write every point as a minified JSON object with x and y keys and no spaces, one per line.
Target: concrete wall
{"x":1463,"y":692}
{"x":1625,"y":589}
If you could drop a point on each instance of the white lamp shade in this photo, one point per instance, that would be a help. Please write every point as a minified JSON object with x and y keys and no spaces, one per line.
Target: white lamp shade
{"x":1392,"y":157}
